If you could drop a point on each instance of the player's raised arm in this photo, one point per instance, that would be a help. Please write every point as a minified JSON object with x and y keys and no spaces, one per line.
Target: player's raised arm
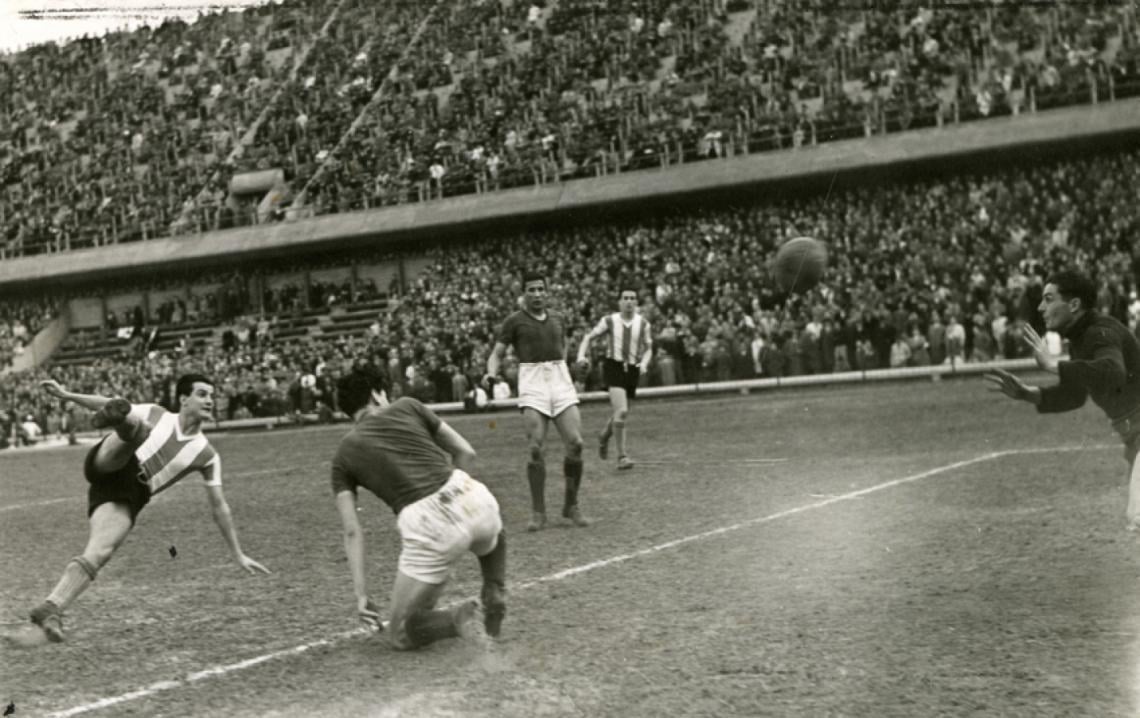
{"x":94,"y":402}
{"x":223,"y":517}
{"x":1002,"y":381}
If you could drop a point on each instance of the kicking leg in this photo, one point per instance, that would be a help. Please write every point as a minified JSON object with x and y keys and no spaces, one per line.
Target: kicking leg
{"x":569,"y":424}
{"x":129,"y":433}
{"x":537,"y":425}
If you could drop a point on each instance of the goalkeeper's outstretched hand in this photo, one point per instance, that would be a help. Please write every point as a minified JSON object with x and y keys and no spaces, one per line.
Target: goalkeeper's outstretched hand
{"x":1000,"y":380}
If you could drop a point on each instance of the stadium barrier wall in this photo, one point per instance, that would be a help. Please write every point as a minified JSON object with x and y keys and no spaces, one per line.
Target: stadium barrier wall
{"x":743,"y":386}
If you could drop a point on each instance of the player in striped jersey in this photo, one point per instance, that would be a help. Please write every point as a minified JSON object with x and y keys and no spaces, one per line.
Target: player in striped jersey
{"x":629,"y":347}
{"x":149,"y":450}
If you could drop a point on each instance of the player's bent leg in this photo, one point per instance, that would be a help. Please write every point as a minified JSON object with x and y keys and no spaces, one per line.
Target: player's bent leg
{"x":115,"y":450}
{"x":409,"y":597}
{"x":412,"y":624}
{"x":110,"y":524}
{"x":493,"y":566}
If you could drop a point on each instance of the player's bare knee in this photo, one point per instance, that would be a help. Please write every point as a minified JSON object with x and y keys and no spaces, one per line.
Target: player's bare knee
{"x":620,"y":415}
{"x":97,"y":556}
{"x":574,"y":448}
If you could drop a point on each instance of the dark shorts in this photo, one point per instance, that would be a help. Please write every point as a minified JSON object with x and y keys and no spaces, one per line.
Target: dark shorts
{"x":124,"y":486}
{"x":617,"y":375}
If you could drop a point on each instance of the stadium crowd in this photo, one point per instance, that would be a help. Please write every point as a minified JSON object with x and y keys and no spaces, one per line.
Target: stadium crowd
{"x":943,"y":270}
{"x":20,"y":321}
{"x":359,"y":104}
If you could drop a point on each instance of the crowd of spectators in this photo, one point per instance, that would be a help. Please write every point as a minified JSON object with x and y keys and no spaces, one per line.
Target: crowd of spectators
{"x":109,"y":139}
{"x":20,"y":320}
{"x":362,"y":104}
{"x":944,"y":270}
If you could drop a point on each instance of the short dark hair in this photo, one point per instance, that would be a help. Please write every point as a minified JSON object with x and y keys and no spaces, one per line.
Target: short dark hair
{"x":354,"y":390}
{"x":1072,"y":284}
{"x":533,"y":275}
{"x":186,"y":382}
{"x":624,"y":287}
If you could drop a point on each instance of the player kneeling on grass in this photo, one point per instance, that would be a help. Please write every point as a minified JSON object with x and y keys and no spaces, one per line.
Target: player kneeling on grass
{"x":1104,"y":364}
{"x":148,"y":451}
{"x":400,"y":452}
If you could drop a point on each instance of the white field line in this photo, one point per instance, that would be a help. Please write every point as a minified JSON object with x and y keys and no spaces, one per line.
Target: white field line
{"x":33,"y":504}
{"x":228,"y":668}
{"x":83,"y":495}
{"x":706,"y":462}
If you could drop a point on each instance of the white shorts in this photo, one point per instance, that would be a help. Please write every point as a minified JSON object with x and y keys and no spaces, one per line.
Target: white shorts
{"x":436,"y":530}
{"x":546,"y":387}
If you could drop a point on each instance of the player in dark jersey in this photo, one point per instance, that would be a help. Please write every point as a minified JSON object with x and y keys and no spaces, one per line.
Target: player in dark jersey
{"x":546,"y":393}
{"x":418,"y":466}
{"x":1104,"y":364}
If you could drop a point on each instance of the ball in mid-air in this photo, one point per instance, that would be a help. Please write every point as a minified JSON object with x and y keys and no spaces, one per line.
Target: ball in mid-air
{"x":799,"y":264}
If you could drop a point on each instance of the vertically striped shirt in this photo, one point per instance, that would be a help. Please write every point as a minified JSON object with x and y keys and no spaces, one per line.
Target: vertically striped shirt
{"x":626,"y":342}
{"x":168,"y":455}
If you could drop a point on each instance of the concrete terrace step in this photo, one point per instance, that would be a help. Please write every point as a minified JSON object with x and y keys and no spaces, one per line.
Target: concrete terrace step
{"x":89,"y":352}
{"x":353,"y":324}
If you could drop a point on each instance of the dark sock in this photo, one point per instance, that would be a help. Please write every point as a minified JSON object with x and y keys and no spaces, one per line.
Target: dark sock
{"x":493,"y":566}
{"x":494,"y":569}
{"x":430,"y":626}
{"x":572,"y":468}
{"x":536,"y":476}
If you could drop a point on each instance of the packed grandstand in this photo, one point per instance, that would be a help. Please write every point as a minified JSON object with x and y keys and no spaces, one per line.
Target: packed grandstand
{"x":309,"y":108}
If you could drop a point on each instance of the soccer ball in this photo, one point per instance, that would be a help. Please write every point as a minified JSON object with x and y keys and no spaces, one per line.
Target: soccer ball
{"x":799,"y":264}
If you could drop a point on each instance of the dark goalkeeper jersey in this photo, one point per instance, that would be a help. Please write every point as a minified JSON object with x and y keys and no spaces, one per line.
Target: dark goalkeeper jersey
{"x":393,"y":454}
{"x":1104,"y":365}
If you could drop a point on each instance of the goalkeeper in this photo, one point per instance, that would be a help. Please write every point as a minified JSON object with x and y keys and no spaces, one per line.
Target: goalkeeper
{"x":1104,"y":364}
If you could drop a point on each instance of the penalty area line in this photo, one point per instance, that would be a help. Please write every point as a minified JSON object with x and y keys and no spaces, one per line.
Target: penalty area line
{"x":235,"y":475}
{"x":33,"y":504}
{"x":706,"y":462}
{"x":225,"y":669}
